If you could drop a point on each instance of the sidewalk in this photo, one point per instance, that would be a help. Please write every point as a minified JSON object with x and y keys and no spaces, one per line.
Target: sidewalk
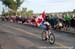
{"x":69,"y":30}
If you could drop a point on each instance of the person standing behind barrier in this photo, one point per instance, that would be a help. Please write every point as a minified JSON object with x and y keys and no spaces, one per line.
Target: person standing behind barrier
{"x":73,"y":22}
{"x":67,"y":21}
{"x":52,"y":21}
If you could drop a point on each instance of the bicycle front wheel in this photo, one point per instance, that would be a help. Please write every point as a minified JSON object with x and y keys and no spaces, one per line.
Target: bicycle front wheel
{"x":51,"y":38}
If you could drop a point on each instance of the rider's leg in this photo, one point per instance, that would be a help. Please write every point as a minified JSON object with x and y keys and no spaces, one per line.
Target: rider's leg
{"x":46,"y":34}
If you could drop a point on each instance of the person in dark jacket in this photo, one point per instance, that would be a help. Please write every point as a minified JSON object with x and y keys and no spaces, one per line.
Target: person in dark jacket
{"x":73,"y":23}
{"x":52,"y":21}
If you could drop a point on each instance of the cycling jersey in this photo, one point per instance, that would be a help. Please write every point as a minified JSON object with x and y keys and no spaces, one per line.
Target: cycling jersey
{"x":47,"y":25}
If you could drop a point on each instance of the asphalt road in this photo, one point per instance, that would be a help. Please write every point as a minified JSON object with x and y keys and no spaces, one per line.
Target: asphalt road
{"x":21,"y":36}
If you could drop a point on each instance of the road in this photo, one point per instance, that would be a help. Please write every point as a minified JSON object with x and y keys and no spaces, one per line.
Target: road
{"x":21,"y":36}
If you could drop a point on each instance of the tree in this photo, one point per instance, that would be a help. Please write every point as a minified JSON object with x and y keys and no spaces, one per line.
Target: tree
{"x":3,"y":12}
{"x":29,"y":13}
{"x":74,"y":10}
{"x":23,"y":12}
{"x":12,"y":4}
{"x":26,"y":12}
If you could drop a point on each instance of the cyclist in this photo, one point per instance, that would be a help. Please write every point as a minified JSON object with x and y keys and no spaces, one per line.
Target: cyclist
{"x":47,"y":25}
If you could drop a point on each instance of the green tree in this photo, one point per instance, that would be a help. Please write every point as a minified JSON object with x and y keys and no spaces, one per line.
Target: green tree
{"x":12,"y":4}
{"x":3,"y":12}
{"x":74,"y":10}
{"x":23,"y":12}
{"x":26,"y":13}
{"x":30,"y":13}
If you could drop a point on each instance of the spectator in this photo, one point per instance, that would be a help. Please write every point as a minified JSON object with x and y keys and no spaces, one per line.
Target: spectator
{"x":73,"y":22}
{"x":52,"y":21}
{"x":59,"y":25}
{"x":67,"y":21}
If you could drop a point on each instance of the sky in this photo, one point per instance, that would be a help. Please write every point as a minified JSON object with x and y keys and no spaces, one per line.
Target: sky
{"x":48,"y":6}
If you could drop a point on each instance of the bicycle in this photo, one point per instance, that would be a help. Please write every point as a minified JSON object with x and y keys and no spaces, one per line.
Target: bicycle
{"x":51,"y":37}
